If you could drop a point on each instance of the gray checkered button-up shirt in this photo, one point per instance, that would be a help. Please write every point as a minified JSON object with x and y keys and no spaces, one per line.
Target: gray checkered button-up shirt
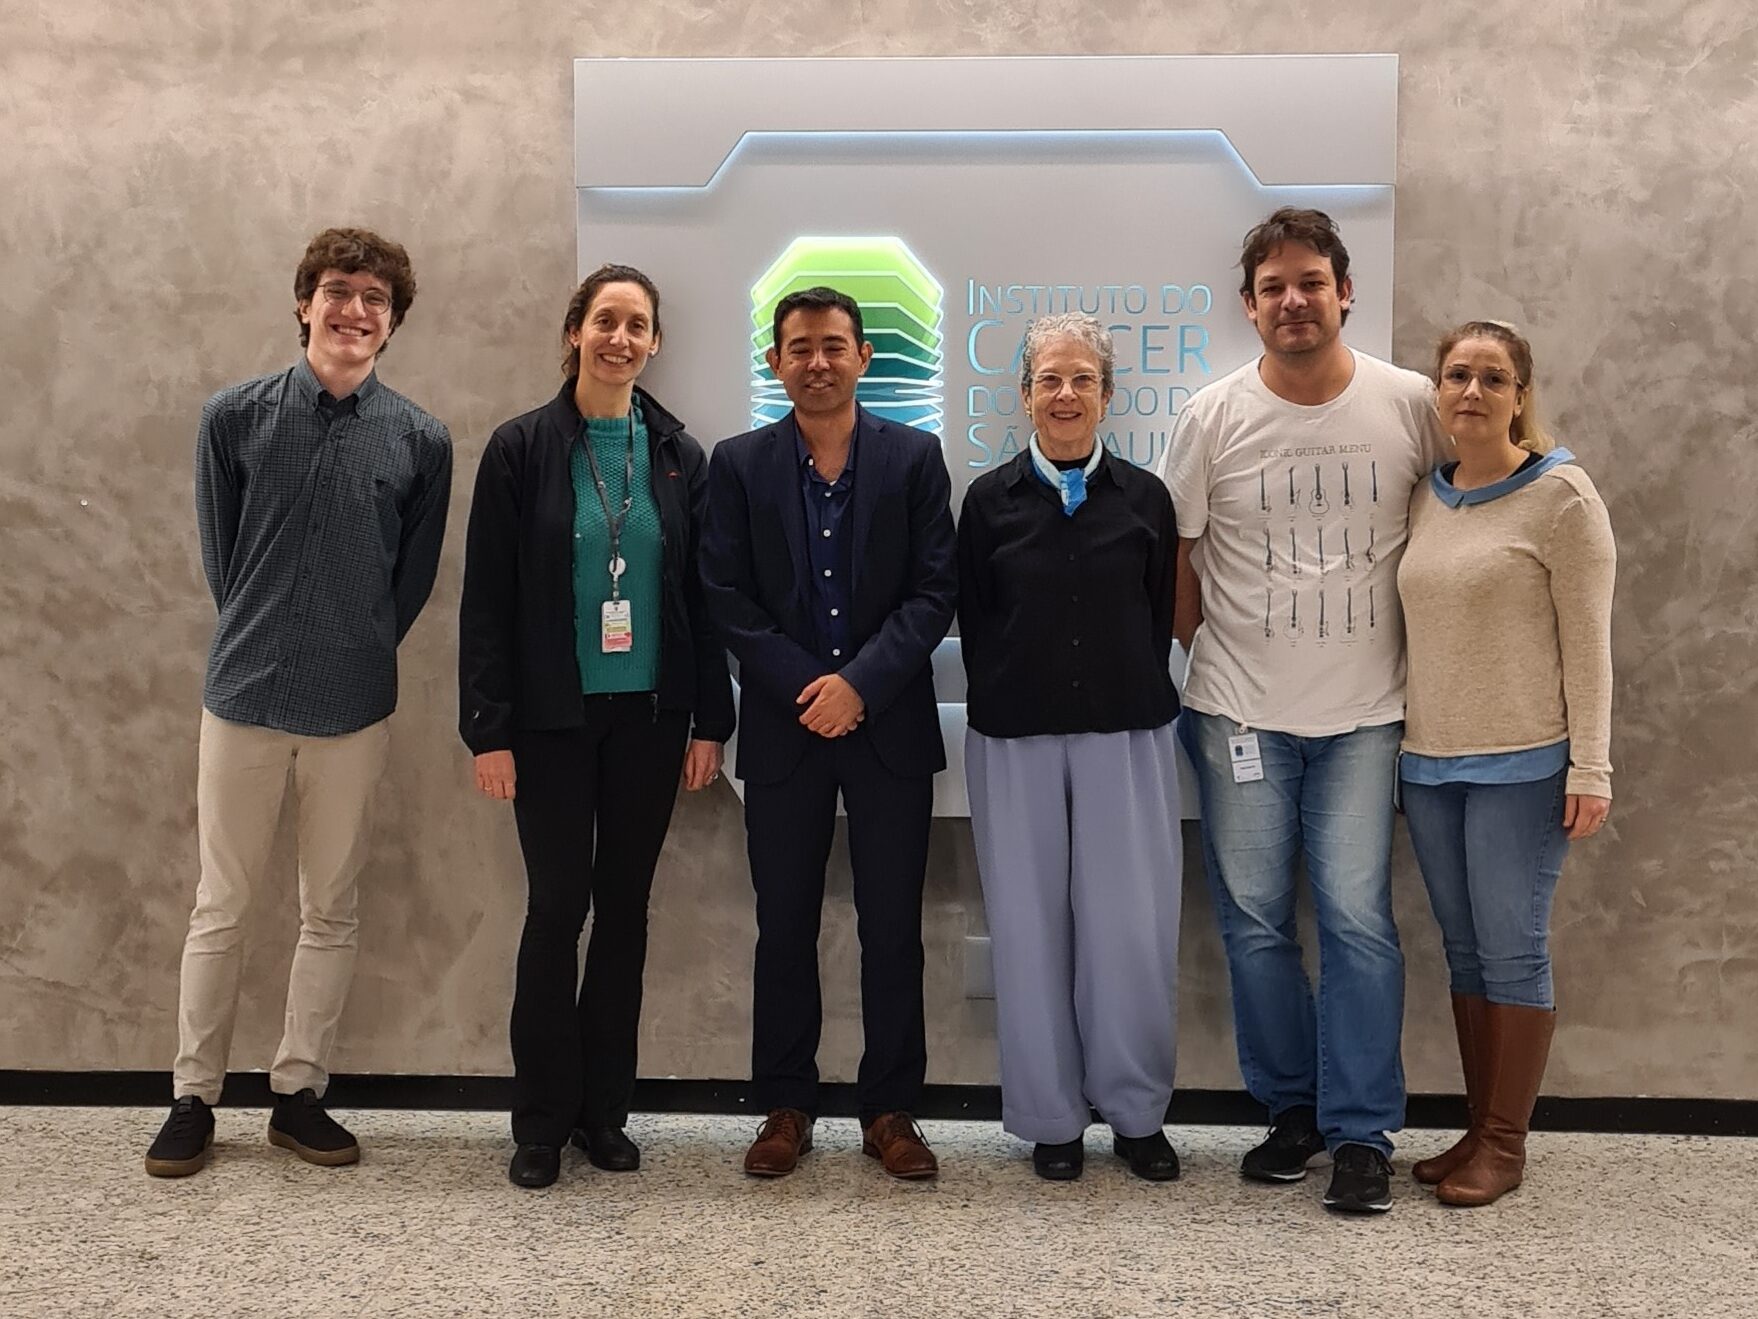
{"x":321,"y":524}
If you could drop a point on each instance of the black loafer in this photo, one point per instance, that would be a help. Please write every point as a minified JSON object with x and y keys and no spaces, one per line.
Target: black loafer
{"x":1151,"y":1158}
{"x":534,"y":1166}
{"x":1059,"y":1163}
{"x":608,"y":1148}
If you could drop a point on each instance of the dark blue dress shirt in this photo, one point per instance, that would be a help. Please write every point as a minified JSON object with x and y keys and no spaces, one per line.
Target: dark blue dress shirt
{"x":321,"y":522}
{"x":829,"y":552}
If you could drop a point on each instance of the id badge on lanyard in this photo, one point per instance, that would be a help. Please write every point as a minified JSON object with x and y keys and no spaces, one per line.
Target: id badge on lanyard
{"x":616,"y":623}
{"x":616,"y":628}
{"x":1247,"y":758}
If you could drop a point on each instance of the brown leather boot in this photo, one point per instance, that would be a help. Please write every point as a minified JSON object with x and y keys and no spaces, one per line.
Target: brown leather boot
{"x":1519,"y":1047}
{"x":1472,"y":1027}
{"x":784,"y":1136}
{"x":896,"y":1141}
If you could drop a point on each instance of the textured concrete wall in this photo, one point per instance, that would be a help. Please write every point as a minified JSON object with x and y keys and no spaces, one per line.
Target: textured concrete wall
{"x":1585,"y":168}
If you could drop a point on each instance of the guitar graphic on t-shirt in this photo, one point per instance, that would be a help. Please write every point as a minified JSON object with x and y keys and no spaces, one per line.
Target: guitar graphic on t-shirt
{"x":1324,"y":629}
{"x":1269,"y":629}
{"x":1348,"y":554}
{"x":1293,"y":552}
{"x":1348,"y":502}
{"x":1349,"y":611}
{"x":1369,"y":551}
{"x":1293,"y":630}
{"x":1263,"y":493}
{"x":1320,"y":506}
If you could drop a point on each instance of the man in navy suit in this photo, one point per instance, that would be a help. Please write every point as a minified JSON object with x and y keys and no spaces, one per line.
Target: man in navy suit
{"x":829,"y":565}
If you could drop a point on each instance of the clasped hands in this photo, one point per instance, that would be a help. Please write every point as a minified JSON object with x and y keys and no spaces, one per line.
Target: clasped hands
{"x":833,"y":707}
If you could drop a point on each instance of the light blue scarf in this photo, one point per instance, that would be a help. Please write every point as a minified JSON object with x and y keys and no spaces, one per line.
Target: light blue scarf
{"x":1070,"y":484}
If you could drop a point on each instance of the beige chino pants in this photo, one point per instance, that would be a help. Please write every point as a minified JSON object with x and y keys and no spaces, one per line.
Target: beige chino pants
{"x":240,"y":788}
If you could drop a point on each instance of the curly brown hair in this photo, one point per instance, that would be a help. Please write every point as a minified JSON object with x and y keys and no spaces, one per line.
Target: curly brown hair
{"x":352,"y":251}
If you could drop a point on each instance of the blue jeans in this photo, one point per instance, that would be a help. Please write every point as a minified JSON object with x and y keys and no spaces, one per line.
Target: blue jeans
{"x":1329,"y":799}
{"x":1490,"y":855}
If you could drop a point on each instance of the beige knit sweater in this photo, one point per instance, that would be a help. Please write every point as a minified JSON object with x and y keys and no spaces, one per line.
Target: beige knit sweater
{"x":1507,"y":613}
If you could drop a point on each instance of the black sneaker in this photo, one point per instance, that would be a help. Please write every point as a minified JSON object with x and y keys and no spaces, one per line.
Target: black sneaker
{"x":1293,"y":1141}
{"x":1361,"y":1181}
{"x":182,"y":1145}
{"x":300,"y":1124}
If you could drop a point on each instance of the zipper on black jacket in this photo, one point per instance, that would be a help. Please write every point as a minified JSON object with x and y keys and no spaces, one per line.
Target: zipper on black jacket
{"x":664,"y":549}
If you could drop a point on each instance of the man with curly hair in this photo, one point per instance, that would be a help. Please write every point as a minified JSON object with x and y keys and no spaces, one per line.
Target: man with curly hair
{"x":321,"y":499}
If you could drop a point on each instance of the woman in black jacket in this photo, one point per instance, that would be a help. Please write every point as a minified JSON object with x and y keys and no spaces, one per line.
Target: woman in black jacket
{"x":589,"y":681}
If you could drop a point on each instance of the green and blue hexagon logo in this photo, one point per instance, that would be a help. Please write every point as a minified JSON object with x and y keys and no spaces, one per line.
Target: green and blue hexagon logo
{"x":901,"y":310}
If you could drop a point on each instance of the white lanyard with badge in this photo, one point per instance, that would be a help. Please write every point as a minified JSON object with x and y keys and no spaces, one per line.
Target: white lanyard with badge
{"x":1247,"y":758}
{"x":616,"y":627}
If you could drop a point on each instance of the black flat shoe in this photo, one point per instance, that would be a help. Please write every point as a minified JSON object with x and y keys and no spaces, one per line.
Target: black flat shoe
{"x":1151,"y":1158}
{"x":534,"y":1166}
{"x":608,"y":1148}
{"x":1059,"y":1163}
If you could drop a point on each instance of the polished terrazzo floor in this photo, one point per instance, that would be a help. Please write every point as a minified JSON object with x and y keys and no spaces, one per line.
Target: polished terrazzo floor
{"x":427,"y":1225}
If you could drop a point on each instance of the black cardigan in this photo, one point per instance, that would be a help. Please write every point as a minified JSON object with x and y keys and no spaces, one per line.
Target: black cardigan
{"x":517,"y":669}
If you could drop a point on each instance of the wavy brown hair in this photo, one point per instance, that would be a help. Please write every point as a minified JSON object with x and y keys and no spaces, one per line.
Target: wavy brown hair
{"x":1293,"y":224}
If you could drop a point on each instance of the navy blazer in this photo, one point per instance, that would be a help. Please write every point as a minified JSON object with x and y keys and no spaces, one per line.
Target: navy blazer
{"x":905,"y":582}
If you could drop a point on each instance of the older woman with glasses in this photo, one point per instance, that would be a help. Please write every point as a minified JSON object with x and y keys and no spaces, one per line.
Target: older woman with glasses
{"x":1507,"y":591}
{"x":1066,"y":559}
{"x":590,"y":681}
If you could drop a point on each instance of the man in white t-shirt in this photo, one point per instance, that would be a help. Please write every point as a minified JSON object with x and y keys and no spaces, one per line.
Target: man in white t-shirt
{"x":1294,"y":474}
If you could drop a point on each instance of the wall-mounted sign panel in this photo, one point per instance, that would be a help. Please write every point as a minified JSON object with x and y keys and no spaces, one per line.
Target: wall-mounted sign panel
{"x":956,"y":199}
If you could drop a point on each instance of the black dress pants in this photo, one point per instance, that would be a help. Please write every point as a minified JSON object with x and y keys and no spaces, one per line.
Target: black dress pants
{"x":789,"y":826}
{"x":593,"y":805}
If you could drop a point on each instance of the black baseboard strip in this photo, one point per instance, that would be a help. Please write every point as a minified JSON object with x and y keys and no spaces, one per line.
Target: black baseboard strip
{"x":1682,"y":1117}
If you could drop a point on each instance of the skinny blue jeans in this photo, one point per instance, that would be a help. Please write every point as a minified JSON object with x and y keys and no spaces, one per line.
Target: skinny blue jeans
{"x":1491,"y":854}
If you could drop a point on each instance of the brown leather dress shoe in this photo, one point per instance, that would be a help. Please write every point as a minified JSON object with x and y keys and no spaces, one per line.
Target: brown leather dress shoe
{"x":785,"y":1135}
{"x":897,"y":1142}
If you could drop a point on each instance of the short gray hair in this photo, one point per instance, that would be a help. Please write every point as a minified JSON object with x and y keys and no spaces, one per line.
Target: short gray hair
{"x":1085,"y":330}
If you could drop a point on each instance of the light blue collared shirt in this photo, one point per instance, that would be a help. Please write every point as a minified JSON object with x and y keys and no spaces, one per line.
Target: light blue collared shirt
{"x":1440,"y":480}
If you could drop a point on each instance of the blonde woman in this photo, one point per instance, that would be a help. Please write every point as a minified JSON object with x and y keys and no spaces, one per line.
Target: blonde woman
{"x":1507,"y":592}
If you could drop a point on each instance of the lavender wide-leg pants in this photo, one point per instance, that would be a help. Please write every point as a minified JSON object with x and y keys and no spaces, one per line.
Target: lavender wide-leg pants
{"x":1082,"y":864}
